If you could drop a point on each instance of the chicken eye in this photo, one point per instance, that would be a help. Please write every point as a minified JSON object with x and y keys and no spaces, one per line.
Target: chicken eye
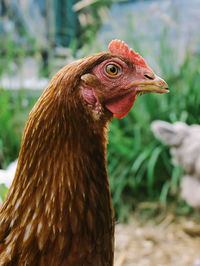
{"x":112,"y":70}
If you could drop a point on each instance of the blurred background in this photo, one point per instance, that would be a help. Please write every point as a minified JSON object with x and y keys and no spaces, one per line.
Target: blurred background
{"x":38,"y":37}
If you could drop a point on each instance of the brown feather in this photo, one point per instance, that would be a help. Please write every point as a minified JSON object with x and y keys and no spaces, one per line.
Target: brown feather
{"x":58,"y":210}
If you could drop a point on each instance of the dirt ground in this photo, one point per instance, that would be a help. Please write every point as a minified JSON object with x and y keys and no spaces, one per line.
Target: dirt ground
{"x":174,"y":241}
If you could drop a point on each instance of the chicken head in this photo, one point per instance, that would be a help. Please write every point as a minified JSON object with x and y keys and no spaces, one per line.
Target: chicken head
{"x":115,"y":82}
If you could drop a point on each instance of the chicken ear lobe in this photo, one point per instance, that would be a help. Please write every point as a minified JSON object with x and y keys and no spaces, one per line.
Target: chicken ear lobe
{"x":88,"y":93}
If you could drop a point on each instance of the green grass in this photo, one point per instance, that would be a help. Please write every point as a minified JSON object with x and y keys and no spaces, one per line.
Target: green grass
{"x":14,"y":110}
{"x":3,"y":191}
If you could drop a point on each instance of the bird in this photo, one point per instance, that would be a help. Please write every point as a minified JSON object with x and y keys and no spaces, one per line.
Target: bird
{"x":184,"y":142}
{"x":58,"y":210}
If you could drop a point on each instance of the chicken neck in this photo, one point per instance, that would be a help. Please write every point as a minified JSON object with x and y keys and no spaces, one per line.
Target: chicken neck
{"x":60,"y":198}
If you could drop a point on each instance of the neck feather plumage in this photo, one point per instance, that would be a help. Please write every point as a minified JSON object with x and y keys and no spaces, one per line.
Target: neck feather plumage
{"x":60,"y":197}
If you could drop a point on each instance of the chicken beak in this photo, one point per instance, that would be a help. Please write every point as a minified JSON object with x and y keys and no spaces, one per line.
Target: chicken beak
{"x":156,"y":84}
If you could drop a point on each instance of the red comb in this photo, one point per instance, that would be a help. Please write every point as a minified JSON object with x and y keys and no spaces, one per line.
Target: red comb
{"x":120,"y":48}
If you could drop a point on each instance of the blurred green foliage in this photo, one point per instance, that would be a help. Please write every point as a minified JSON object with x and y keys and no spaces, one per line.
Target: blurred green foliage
{"x":140,"y":166}
{"x":9,"y":142}
{"x":14,"y":109}
{"x":94,"y":15}
{"x":3,"y":191}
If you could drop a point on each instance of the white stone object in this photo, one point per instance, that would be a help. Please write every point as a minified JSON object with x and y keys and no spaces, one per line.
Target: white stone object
{"x":6,"y":176}
{"x":184,"y":141}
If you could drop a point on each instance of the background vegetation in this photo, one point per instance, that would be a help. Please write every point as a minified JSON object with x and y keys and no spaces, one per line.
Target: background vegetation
{"x":139,"y":166}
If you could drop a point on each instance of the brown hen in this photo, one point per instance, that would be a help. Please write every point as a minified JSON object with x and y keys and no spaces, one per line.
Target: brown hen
{"x":58,"y":210}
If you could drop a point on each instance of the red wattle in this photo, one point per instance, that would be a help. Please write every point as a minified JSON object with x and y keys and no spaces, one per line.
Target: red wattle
{"x":121,"y":105}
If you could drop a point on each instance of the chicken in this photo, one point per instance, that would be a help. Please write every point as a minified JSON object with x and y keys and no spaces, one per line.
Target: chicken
{"x":58,"y":209}
{"x":184,"y":141}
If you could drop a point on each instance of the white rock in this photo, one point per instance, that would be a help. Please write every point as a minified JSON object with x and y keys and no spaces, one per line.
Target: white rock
{"x":6,"y":176}
{"x":190,"y":190}
{"x":184,"y":141}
